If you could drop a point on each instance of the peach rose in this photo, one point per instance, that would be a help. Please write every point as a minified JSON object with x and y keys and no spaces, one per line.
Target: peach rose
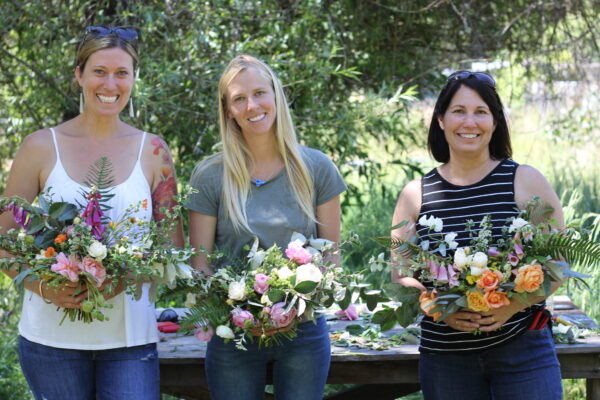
{"x":490,"y":280}
{"x":529,"y":278}
{"x":496,"y":299}
{"x":476,"y":301}
{"x":426,"y":300}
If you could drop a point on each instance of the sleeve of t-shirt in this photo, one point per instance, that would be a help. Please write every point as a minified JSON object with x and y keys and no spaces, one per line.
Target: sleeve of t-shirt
{"x":205,"y":179}
{"x":327,"y":179}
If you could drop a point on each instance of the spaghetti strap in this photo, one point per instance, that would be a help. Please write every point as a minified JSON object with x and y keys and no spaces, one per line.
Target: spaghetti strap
{"x":55,"y":144}
{"x":141,"y":147}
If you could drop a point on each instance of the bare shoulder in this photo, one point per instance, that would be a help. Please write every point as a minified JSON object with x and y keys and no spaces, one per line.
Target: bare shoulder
{"x":37,"y":150}
{"x":409,"y":202}
{"x":529,"y":183}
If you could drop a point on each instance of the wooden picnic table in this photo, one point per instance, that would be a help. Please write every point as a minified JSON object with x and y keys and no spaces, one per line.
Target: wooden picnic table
{"x":378,"y":374}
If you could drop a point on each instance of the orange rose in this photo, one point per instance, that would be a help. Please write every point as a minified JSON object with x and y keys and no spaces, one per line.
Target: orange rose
{"x":476,"y":302}
{"x":60,"y":238}
{"x":50,"y":252}
{"x":490,"y":279}
{"x":496,"y":299}
{"x":529,"y":278}
{"x":426,"y":300}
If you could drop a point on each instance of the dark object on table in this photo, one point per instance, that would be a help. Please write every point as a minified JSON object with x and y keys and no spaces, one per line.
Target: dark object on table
{"x":168,"y":315}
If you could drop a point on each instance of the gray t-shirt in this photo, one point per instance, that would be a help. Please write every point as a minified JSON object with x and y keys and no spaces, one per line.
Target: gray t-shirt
{"x":272,"y":210}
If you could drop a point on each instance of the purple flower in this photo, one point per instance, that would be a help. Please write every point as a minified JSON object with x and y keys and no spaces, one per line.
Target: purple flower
{"x":519,"y":250}
{"x":493,"y":252}
{"x":20,"y":216}
{"x":349,"y":314}
{"x":93,"y":215}
{"x":513,"y":260}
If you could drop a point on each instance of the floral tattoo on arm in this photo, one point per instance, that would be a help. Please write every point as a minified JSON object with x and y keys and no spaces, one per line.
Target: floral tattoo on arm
{"x":162,"y":196}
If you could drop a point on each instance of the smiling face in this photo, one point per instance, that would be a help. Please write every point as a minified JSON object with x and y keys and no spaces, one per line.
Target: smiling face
{"x":106,"y":81}
{"x":468,"y":123}
{"x":250,"y":100}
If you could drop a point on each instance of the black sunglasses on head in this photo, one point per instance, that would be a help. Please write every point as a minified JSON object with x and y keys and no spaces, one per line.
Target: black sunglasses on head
{"x":482,"y":76}
{"x":124,"y":33}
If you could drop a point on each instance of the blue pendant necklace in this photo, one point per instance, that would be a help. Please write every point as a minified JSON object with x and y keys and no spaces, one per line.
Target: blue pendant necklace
{"x":258,"y":182}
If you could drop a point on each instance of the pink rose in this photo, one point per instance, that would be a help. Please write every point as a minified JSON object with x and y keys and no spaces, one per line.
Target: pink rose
{"x":240,"y":316}
{"x":204,"y":333}
{"x":94,"y":268}
{"x":279,"y":318}
{"x":67,"y":266}
{"x":349,"y":314}
{"x":261,"y":285}
{"x":296,"y":252}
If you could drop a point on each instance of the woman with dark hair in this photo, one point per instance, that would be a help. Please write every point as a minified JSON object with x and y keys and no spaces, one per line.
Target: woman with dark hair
{"x":499,"y":354}
{"x":116,"y":358}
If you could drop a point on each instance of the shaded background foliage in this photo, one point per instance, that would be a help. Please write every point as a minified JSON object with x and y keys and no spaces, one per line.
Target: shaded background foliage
{"x":323,"y":51}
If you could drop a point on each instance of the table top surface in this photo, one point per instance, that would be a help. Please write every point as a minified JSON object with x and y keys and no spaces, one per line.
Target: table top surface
{"x":178,"y":349}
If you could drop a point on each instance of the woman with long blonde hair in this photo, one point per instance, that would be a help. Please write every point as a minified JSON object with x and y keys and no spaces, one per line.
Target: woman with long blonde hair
{"x":263,"y":184}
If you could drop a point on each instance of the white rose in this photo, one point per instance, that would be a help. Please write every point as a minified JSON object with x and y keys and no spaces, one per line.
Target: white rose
{"x":237,"y":290}
{"x":225,"y":332}
{"x":480,"y":260}
{"x":460,"y":258}
{"x":308,"y":272}
{"x":284,"y":273}
{"x":476,"y":271}
{"x":97,"y":250}
{"x":517,"y":224}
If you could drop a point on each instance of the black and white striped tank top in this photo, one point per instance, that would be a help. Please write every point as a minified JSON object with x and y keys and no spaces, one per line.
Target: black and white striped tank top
{"x":493,"y":195}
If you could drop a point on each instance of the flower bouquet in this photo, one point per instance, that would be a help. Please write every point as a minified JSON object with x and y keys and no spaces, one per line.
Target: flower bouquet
{"x":485,"y":275}
{"x":60,"y":241}
{"x":271,"y":293}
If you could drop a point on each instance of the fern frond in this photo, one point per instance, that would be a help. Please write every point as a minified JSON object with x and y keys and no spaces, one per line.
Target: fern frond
{"x":100,"y":175}
{"x":212,"y":311}
{"x":572,"y":249}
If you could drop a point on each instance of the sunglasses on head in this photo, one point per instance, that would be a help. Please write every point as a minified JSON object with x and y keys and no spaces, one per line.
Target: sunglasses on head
{"x":128,"y":34}
{"x":481,"y":76}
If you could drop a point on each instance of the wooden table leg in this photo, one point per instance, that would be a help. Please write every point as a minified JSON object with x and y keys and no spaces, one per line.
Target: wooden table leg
{"x":592,"y":389}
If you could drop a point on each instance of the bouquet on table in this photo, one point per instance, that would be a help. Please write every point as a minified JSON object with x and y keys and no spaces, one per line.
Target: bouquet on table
{"x":59,"y":241}
{"x":271,"y":293}
{"x":485,"y":275}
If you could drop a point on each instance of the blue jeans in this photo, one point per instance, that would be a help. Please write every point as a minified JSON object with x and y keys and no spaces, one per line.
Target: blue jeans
{"x":127,"y":373}
{"x":524,"y":369}
{"x":300,"y":366}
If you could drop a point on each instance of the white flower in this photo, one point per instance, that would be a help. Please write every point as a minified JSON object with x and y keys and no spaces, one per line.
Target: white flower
{"x":256,"y":256}
{"x":308,"y":272}
{"x":480,"y":260}
{"x":460,"y":258}
{"x":449,"y":239}
{"x":284,"y":273}
{"x":237,"y":290}
{"x":122,"y":249}
{"x":298,"y":236}
{"x":76,"y":221}
{"x":97,"y":250}
{"x":438,"y":224}
{"x":265,"y":300}
{"x":320,"y":244}
{"x":476,"y":271}
{"x":190,"y":300}
{"x":517,"y":224}
{"x":184,"y":271}
{"x":225,"y":332}
{"x":433,"y":223}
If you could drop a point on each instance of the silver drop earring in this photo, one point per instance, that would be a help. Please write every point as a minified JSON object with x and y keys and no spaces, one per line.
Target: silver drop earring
{"x":80,"y":102}
{"x":131,"y":112}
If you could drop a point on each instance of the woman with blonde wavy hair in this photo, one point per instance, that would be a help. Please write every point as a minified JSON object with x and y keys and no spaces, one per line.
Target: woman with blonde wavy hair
{"x":263,"y":185}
